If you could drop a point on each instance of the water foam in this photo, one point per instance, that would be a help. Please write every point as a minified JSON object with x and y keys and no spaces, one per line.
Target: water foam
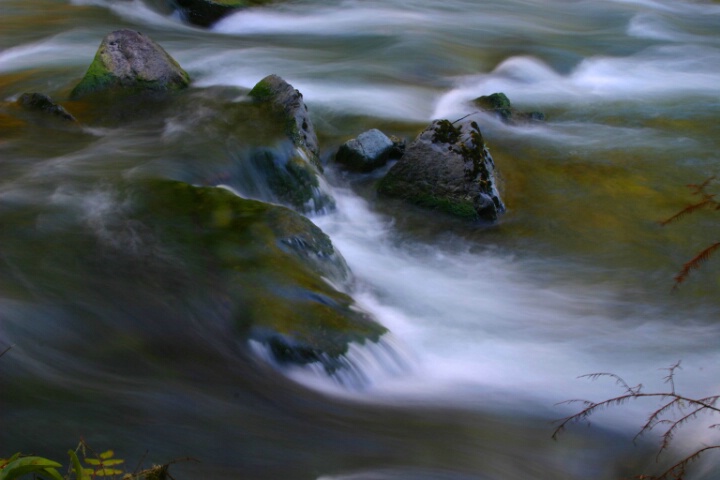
{"x":657,"y":72}
{"x":479,"y":329}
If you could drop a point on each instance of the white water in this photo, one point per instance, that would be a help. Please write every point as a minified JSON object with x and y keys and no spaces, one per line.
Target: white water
{"x":479,"y":329}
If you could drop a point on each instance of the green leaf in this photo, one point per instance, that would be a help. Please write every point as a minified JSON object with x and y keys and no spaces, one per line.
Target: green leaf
{"x":106,"y":455}
{"x":54,"y":474}
{"x":108,"y":472}
{"x":105,"y":463}
{"x":80,"y":473}
{"x":24,"y":465}
{"x":5,"y":461}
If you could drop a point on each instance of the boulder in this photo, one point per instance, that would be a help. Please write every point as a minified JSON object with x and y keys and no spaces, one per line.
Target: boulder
{"x":370,"y":150}
{"x":295,"y":175}
{"x":499,"y":104}
{"x":448,"y":168}
{"x":287,"y":102}
{"x":269,"y":263}
{"x":128,"y":61}
{"x":39,"y":102}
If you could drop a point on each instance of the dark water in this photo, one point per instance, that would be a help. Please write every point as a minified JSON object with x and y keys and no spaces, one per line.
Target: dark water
{"x":489,"y":326}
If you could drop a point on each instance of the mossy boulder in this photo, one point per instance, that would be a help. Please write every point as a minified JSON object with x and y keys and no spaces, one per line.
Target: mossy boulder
{"x":204,"y":13}
{"x":296,"y":176}
{"x":130,"y":62}
{"x":290,"y":178}
{"x":370,"y":150}
{"x":447,"y":168}
{"x":268,"y":261}
{"x":288,"y":105}
{"x":499,"y":104}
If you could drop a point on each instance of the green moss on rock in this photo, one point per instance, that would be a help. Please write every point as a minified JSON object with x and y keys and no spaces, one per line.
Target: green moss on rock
{"x":127,"y":61}
{"x":499,"y":104}
{"x":288,"y":105}
{"x":447,"y":168}
{"x":272,"y":262}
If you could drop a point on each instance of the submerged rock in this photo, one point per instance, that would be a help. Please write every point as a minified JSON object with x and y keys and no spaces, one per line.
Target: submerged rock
{"x":128,"y":61}
{"x":291,"y":177}
{"x":42,"y":103}
{"x":204,"y":13}
{"x":268,"y":261}
{"x":499,"y":104}
{"x":370,"y":150}
{"x":447,"y":168}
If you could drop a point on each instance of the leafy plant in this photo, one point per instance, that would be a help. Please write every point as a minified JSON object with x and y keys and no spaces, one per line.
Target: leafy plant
{"x":675,"y":411}
{"x":84,"y":465}
{"x":18,"y":466}
{"x":707,"y":201}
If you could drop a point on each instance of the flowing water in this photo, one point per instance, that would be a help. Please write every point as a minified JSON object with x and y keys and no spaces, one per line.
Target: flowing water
{"x":490,"y":325}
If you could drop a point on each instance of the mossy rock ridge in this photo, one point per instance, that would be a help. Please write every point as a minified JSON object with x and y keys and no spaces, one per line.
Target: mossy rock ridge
{"x":272,"y":264}
{"x":130,"y":62}
{"x":447,"y":168}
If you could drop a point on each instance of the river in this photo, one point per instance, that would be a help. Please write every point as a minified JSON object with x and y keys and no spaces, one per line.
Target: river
{"x":490,"y":326}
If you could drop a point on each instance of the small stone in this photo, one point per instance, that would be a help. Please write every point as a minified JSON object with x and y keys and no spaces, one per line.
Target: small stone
{"x":368,"y":151}
{"x":42,"y":103}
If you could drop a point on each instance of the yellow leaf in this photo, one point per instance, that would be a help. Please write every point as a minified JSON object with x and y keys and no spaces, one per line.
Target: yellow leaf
{"x":108,"y":472}
{"x":107,"y":454}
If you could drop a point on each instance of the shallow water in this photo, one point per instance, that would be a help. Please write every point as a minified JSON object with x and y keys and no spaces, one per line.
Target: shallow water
{"x":490,"y":325}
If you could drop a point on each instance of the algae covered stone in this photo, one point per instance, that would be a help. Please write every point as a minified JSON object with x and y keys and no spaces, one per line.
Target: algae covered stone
{"x":294,"y":177}
{"x":499,"y":104}
{"x":129,"y":61}
{"x":448,"y":168}
{"x":287,"y":102}
{"x":269,"y":264}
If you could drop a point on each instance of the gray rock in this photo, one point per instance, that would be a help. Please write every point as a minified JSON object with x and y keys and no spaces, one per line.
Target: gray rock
{"x":447,"y":168}
{"x":368,"y":151}
{"x":131,"y":62}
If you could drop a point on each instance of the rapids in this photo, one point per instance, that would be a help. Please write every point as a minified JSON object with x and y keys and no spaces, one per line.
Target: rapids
{"x":490,"y":325}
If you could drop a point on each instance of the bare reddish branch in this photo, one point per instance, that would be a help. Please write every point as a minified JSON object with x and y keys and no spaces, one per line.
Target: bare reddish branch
{"x":695,"y":263}
{"x":707,"y":201}
{"x":672,"y":403}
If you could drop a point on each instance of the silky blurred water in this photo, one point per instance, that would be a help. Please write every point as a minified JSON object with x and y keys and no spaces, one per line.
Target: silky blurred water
{"x":490,"y":325}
